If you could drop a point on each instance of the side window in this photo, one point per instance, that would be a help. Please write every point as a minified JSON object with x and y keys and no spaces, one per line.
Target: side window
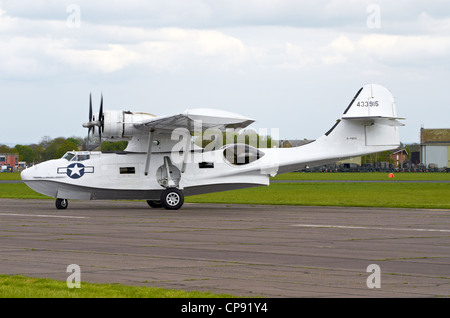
{"x":127,"y":170}
{"x":83,"y":157}
{"x":241,"y":154}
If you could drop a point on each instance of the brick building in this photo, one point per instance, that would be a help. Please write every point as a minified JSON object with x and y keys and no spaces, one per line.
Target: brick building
{"x":8,"y":160}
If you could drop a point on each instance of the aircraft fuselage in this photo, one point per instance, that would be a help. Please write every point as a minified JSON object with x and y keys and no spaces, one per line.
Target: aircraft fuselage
{"x":120,"y":175}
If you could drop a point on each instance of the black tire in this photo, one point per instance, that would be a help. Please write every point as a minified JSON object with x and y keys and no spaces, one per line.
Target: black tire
{"x":172,"y":199}
{"x":155,"y":204}
{"x":61,"y":204}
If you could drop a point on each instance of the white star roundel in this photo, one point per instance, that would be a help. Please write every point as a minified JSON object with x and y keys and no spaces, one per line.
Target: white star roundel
{"x":75,"y":170}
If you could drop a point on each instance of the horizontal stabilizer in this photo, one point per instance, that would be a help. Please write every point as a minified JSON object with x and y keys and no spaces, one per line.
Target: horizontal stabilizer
{"x":389,"y":121}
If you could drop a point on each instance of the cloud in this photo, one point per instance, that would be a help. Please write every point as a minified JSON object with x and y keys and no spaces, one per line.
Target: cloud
{"x":418,"y":50}
{"x":30,"y":47}
{"x":338,"y":50}
{"x":112,"y":58}
{"x":249,"y":55}
{"x":167,"y":49}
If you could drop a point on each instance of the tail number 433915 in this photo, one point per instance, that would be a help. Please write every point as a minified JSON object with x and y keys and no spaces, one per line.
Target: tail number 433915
{"x":372,"y":103}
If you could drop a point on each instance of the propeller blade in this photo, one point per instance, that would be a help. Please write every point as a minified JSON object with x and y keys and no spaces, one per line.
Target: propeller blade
{"x":101,"y":109}
{"x":100,"y":119}
{"x":95,"y":121}
{"x":90,"y":107}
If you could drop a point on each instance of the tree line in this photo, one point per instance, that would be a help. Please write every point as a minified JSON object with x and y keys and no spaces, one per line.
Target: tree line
{"x":49,"y":148}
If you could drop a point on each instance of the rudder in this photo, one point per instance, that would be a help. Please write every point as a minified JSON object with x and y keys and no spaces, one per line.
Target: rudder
{"x":374,"y":108}
{"x":369,"y":123}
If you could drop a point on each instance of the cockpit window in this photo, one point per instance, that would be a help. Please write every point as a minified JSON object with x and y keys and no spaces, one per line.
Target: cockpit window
{"x":70,"y":156}
{"x":241,"y":154}
{"x":81,"y":157}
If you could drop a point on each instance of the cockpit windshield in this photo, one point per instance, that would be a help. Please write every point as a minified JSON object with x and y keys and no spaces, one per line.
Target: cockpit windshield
{"x":74,"y":156}
{"x":68,"y":156}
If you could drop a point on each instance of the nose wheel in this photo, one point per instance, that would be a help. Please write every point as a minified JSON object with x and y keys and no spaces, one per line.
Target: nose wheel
{"x":172,"y":199}
{"x":61,"y":204}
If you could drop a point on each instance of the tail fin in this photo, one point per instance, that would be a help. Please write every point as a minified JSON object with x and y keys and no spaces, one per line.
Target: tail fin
{"x":373,"y":102}
{"x":369,"y":123}
{"x":374,"y":107}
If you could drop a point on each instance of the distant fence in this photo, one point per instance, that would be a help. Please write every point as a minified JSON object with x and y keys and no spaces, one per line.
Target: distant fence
{"x":377,"y":167}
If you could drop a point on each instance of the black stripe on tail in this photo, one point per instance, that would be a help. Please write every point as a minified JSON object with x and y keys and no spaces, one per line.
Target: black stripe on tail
{"x":332,"y":128}
{"x":356,"y":96}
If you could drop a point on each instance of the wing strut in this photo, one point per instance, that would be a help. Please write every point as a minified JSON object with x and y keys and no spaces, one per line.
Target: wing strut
{"x":149,"y":151}
{"x":187,"y":150}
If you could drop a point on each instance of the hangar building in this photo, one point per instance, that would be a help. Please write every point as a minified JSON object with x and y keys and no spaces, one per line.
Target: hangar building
{"x":435,"y":147}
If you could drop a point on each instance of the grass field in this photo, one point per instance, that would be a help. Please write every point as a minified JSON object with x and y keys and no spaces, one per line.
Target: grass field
{"x":357,"y":176}
{"x":365,"y":176}
{"x":398,"y":195}
{"x":9,"y":176}
{"x":28,"y":287}
{"x":18,"y":191}
{"x":390,"y":194}
{"x":387,"y":194}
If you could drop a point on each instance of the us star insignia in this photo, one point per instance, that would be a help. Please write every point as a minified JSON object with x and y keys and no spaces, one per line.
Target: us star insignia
{"x":75,"y":170}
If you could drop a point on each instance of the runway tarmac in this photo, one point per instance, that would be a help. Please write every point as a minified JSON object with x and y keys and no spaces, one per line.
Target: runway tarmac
{"x":244,"y":250}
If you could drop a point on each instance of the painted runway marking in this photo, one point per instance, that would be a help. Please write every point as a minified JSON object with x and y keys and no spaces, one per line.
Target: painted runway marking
{"x":46,"y":216}
{"x":368,"y":228}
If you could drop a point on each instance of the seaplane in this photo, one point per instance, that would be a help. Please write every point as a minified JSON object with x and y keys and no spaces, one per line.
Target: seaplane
{"x":162,"y":164}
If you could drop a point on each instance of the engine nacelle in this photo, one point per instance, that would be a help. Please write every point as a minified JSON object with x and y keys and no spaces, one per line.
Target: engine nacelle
{"x":120,"y":125}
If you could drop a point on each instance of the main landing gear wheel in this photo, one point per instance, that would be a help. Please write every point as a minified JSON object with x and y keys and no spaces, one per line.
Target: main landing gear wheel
{"x":172,"y":199}
{"x":155,"y":203}
{"x":61,"y":204}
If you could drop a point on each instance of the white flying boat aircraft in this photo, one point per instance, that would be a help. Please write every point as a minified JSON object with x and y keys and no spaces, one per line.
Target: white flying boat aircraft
{"x":161,"y":164}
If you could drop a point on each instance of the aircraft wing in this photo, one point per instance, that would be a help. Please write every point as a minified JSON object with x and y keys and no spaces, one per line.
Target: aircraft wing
{"x":196,"y":120}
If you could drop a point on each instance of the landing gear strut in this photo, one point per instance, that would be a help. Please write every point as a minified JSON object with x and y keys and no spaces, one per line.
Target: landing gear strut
{"x":61,"y":204}
{"x":172,"y":199}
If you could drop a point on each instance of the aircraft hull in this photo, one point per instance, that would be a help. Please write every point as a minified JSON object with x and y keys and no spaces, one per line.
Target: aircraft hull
{"x":75,"y":192}
{"x":111,"y":176}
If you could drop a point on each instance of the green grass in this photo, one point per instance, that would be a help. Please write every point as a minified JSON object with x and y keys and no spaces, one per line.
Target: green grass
{"x":18,"y":191}
{"x":389,"y":194}
{"x":28,"y":287}
{"x":359,"y":176}
{"x":365,"y":176}
{"x":392,"y":195}
{"x":9,"y":175}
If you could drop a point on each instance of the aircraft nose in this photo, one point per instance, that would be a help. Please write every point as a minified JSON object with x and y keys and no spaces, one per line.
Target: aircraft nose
{"x":27,"y":174}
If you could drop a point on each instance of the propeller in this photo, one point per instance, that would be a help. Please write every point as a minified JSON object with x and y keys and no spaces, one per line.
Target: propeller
{"x":90,"y":114}
{"x":95,"y":122}
{"x":101,"y":118}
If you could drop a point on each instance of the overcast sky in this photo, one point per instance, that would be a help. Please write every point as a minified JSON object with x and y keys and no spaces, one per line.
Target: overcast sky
{"x":291,"y":65}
